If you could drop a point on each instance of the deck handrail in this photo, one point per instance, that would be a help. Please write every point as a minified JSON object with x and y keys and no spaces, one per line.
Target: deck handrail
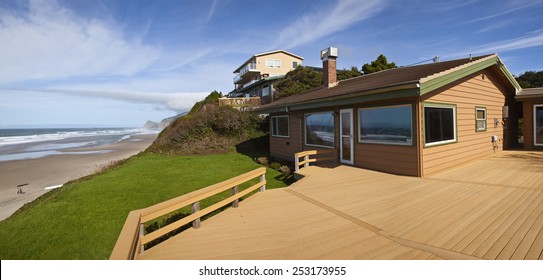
{"x":306,"y":159}
{"x":132,"y":238}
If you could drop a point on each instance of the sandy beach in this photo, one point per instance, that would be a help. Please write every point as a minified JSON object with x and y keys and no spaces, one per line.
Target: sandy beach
{"x":53,"y":170}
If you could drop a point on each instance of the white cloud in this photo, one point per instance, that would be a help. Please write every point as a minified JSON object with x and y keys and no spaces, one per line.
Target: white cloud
{"x":175,"y":101}
{"x":316,"y":25}
{"x":51,"y":42}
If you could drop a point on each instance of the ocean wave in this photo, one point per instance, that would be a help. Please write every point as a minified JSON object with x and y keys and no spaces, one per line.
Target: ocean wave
{"x":26,"y":136}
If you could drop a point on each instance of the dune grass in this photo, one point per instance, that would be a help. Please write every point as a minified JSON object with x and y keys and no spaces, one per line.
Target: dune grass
{"x":83,"y":219}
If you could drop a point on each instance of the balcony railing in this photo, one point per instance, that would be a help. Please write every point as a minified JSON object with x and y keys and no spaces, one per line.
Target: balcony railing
{"x":245,"y":69}
{"x":240,"y":103}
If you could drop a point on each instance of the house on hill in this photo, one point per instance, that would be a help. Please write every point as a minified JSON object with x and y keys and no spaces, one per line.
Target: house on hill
{"x":255,"y":77}
{"x":413,"y":121}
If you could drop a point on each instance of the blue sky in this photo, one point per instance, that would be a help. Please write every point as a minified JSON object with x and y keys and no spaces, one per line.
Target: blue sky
{"x":122,"y":62}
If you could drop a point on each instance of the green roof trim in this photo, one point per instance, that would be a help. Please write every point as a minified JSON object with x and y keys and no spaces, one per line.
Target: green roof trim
{"x":454,"y":75}
{"x":438,"y":82}
{"x":401,"y":93}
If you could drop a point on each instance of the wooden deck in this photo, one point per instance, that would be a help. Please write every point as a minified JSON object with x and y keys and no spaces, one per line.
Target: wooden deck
{"x":488,"y":209}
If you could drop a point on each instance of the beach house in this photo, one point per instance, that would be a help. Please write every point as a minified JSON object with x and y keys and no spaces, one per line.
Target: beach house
{"x":255,"y":77}
{"x":414,"y":120}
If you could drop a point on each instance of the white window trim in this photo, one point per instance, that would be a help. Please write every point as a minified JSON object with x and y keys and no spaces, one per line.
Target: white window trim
{"x":444,"y":106}
{"x":275,"y":63}
{"x":305,"y":130}
{"x":480,"y":108}
{"x":535,"y":125}
{"x":277,"y":128}
{"x":386,"y":143}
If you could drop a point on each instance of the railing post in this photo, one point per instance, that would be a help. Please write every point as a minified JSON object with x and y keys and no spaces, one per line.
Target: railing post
{"x":196,"y":208}
{"x":263,"y":178}
{"x":306,"y":158}
{"x":296,"y":163}
{"x":236,"y":202}
{"x":141,"y":233}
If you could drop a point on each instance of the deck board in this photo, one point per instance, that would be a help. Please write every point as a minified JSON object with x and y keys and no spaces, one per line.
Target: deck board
{"x":491,"y":208}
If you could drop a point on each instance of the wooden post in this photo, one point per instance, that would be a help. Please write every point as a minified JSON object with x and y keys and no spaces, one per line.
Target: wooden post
{"x":141,"y":233}
{"x":306,"y":158}
{"x":236,"y":202}
{"x":263,"y":178}
{"x":196,"y":208}
{"x":296,"y":163}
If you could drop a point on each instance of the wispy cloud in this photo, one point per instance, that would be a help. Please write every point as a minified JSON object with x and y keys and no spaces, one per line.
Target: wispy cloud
{"x":211,"y":10}
{"x":51,"y":42}
{"x":529,"y":41}
{"x":501,"y":13}
{"x":319,"y":24}
{"x":452,"y":5}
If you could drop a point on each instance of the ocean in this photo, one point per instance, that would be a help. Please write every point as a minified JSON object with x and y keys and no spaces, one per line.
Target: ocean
{"x":18,"y":144}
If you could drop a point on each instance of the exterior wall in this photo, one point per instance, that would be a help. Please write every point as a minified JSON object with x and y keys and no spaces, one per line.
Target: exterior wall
{"x":528,"y":112}
{"x":396,"y":159}
{"x":285,"y":148}
{"x":403,"y":160}
{"x":286,"y":63}
{"x":478,"y":90}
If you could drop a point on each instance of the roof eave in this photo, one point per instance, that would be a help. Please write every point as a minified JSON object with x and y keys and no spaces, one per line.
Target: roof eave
{"x":410,"y":89}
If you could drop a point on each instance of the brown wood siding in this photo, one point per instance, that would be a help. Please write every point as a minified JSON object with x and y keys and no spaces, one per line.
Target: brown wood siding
{"x":478,"y":90}
{"x":400,"y":160}
{"x":285,"y":148}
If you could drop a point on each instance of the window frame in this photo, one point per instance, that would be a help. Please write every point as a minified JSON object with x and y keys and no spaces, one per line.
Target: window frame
{"x":455,"y":123}
{"x":267,"y":91}
{"x":277,"y":126}
{"x":386,"y":143}
{"x":478,"y":108}
{"x":536,"y":106}
{"x":273,"y":63}
{"x":305,"y":129}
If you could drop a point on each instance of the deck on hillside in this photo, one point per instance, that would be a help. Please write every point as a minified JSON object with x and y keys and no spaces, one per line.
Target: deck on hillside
{"x":491,"y":208}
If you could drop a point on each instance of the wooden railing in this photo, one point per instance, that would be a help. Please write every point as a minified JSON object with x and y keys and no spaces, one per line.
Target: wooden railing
{"x":325,"y":155}
{"x":132,"y":238}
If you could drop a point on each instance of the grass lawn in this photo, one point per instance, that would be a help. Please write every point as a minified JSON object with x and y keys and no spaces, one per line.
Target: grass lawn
{"x":83,"y":219}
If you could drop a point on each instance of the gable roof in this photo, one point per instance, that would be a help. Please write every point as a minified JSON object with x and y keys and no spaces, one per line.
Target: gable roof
{"x":391,"y":83}
{"x":267,"y":53}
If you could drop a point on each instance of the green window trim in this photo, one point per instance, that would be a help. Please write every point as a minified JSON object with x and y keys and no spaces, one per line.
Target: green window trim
{"x":481,"y":121}
{"x":454,"y":119}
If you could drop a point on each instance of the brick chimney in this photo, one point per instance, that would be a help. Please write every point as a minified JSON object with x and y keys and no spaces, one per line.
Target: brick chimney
{"x":328,"y":57}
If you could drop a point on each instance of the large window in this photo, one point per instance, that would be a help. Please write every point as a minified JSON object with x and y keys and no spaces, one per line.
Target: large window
{"x":439,"y":124}
{"x":280,"y":126}
{"x":480,"y":119}
{"x":538,"y":125}
{"x":273,"y":63}
{"x":319,"y":129}
{"x":386,"y":125}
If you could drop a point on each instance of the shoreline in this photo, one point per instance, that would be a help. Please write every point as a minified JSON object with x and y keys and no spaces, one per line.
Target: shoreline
{"x":54,"y":170}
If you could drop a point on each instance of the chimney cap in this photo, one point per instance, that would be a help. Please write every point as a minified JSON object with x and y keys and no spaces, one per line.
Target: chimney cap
{"x":330,"y":52}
